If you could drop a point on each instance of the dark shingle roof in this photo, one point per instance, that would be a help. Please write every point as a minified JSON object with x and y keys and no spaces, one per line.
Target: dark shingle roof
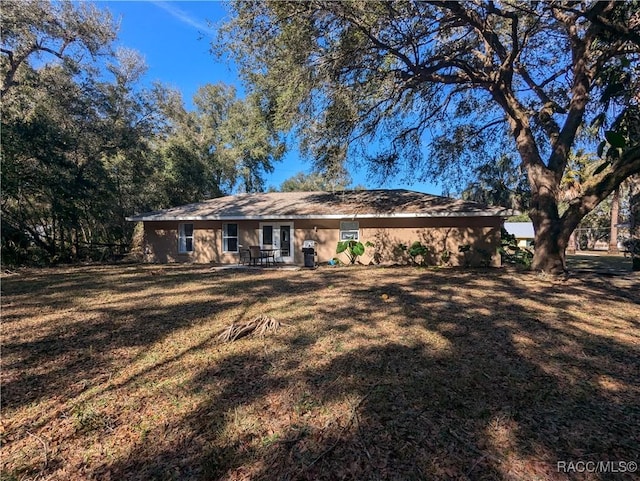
{"x":315,"y":205}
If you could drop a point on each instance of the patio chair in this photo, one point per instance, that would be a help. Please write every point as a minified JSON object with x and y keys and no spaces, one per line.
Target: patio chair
{"x":256,"y":255}
{"x":268,"y":254}
{"x":245,"y":257}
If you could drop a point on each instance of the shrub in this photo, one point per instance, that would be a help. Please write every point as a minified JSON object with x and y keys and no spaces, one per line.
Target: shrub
{"x":353,"y":249}
{"x":417,"y":252}
{"x":468,"y":251}
{"x":511,"y":253}
{"x":417,"y":249}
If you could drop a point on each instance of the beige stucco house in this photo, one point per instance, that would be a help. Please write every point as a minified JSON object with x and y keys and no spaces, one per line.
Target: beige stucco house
{"x":215,"y":231}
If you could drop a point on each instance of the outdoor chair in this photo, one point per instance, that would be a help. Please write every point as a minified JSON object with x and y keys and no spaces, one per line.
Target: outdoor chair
{"x":245,"y":257}
{"x":268,"y":254}
{"x":256,"y":255}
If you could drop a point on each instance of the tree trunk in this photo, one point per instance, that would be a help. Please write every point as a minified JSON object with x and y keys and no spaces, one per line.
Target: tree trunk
{"x":634,"y":221}
{"x":551,"y":234}
{"x":550,"y":245}
{"x":615,"y":213}
{"x":571,"y":248}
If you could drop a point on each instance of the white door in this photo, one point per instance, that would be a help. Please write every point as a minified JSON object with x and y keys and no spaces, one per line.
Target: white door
{"x":280,"y":236}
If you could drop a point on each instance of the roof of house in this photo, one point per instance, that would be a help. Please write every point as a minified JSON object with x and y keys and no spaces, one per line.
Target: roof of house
{"x":326,"y":205}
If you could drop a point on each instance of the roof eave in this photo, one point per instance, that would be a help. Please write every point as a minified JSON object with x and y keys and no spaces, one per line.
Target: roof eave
{"x":402,"y":215}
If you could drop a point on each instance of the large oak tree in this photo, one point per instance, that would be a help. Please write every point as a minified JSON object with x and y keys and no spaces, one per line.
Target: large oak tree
{"x":429,"y":87}
{"x":84,"y":144}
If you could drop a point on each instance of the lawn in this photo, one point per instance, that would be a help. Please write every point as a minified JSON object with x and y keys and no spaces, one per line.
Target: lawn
{"x":116,"y":373}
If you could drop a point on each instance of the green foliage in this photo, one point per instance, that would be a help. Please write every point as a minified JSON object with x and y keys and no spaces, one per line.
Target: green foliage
{"x":500,"y":182}
{"x":431,"y":89}
{"x":353,"y":249}
{"x":84,"y":145}
{"x":421,"y":255}
{"x":226,"y":142}
{"x":511,"y":253}
{"x":619,"y":86}
{"x":316,"y":181}
{"x":74,"y":142}
{"x":64,"y":31}
{"x":417,"y":251}
{"x":469,"y":252}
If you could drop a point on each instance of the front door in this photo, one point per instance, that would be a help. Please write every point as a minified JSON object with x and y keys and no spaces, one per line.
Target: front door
{"x":280,"y":236}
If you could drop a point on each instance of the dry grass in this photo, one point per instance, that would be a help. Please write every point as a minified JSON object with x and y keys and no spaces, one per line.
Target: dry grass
{"x":399,"y":374}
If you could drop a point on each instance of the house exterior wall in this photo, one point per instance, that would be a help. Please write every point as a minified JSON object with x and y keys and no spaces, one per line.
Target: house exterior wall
{"x":438,"y":234}
{"x":161,"y":241}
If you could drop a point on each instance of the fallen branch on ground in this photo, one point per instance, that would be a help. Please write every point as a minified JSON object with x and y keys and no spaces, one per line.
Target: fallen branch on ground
{"x":44,"y":448}
{"x":262,"y":325}
{"x":354,"y":413}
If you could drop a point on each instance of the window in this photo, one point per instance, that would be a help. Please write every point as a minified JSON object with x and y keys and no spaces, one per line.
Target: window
{"x":349,"y":231}
{"x":267,"y":235}
{"x":185,"y":238}
{"x":230,"y":237}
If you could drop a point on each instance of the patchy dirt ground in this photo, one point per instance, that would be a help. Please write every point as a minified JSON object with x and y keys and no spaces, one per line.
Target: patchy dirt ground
{"x":376,"y":373}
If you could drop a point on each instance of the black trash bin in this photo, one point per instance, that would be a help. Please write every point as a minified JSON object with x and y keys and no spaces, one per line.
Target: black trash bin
{"x":309,"y":256}
{"x":309,"y":251}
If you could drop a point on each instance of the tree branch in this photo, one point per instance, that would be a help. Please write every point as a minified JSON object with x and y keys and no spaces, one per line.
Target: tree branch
{"x":9,"y":78}
{"x":538,"y":89}
{"x":561,"y":144}
{"x":595,"y":14}
{"x":599,"y":188}
{"x":471,"y":18}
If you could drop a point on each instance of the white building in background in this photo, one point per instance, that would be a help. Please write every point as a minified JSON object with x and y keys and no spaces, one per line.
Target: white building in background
{"x":523,"y":231}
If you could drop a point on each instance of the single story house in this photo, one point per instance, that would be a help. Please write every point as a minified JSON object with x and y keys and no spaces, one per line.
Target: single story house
{"x":523,"y":231}
{"x":216,"y":230}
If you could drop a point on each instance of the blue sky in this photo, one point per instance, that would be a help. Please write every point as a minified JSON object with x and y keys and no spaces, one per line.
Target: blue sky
{"x":175,"y":39}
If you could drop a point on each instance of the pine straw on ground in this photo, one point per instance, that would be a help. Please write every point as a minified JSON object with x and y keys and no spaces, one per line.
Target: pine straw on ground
{"x":375,"y":373}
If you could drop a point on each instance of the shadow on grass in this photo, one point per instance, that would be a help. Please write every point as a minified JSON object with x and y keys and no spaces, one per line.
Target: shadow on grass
{"x":76,"y":346}
{"x":506,"y":383}
{"x":599,"y":262}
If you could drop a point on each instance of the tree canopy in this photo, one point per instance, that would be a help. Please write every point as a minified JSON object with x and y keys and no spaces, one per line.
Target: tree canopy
{"x":84,"y":144}
{"x":437,"y":88}
{"x":499,"y":183}
{"x":224,"y":144}
{"x":62,"y":30}
{"x":318,"y":181}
